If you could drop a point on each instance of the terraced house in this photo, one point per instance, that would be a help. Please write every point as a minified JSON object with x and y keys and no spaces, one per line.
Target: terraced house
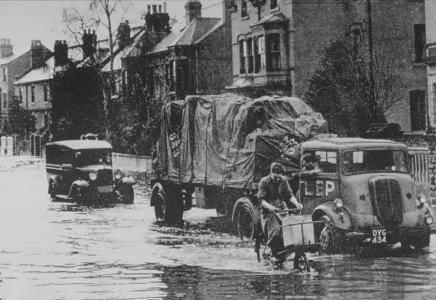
{"x":15,"y":66}
{"x":169,"y":59}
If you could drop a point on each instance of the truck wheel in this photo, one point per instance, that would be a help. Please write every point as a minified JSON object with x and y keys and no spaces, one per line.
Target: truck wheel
{"x":159,"y":207}
{"x":421,"y":242}
{"x":246,"y":222}
{"x":169,"y":205}
{"x":326,"y":239}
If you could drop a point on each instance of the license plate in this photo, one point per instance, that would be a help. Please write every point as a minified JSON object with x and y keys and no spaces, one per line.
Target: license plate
{"x":105,"y":189}
{"x":378,"y":235}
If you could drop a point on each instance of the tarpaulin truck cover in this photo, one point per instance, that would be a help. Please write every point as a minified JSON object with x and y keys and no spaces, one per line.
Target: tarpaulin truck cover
{"x":230,"y":140}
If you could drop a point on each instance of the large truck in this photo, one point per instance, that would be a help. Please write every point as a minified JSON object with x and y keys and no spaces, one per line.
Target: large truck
{"x":220,"y":146}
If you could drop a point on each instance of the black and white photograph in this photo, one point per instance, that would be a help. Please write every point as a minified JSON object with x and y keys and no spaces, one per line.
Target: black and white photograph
{"x":217,"y":149}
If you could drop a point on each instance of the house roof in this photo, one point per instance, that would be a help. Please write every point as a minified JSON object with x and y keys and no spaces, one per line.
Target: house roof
{"x":196,"y":30}
{"x":5,"y":60}
{"x":41,"y":74}
{"x":269,"y":19}
{"x":135,"y":34}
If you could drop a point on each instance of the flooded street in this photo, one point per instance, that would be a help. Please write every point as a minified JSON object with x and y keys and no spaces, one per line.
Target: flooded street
{"x":62,"y":251}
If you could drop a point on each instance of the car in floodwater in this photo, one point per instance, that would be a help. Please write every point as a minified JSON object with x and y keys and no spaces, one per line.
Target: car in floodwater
{"x":81,"y":171}
{"x":365,"y":193}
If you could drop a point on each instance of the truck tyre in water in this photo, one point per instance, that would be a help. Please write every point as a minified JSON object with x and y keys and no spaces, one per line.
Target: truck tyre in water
{"x":326,"y":238}
{"x":418,"y":243}
{"x":159,"y":207}
{"x":169,"y":204}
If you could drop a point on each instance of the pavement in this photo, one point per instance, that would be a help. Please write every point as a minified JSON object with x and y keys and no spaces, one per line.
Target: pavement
{"x":10,"y":163}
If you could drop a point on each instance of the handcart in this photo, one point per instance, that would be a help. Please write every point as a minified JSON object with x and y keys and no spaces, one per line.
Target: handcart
{"x":298,"y":235}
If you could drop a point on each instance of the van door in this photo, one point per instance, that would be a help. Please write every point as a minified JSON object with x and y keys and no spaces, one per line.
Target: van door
{"x":319,"y":178}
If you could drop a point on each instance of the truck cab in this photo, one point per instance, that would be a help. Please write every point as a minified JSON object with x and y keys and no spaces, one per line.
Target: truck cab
{"x":364,"y":192}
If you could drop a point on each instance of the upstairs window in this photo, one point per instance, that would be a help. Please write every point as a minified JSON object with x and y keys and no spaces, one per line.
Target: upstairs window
{"x":273,"y":4}
{"x":45,"y":119}
{"x":419,"y":30}
{"x":5,"y":100}
{"x":244,"y":8}
{"x":45,"y":92}
{"x":273,"y":52}
{"x":33,"y":94}
{"x":250,"y":55}
{"x":242,"y":54}
{"x":259,"y":53}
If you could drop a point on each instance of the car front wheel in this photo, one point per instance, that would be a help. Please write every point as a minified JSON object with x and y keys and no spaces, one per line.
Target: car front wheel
{"x":128,"y":195}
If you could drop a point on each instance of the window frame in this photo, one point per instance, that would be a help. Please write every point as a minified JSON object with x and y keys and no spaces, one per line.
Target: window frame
{"x":273,"y":4}
{"x":250,"y":56}
{"x":419,"y":32}
{"x":244,"y":8}
{"x":273,"y":58}
{"x":45,"y":92}
{"x":242,"y":55}
{"x":32,"y":90}
{"x":259,"y":53}
{"x":5,"y":100}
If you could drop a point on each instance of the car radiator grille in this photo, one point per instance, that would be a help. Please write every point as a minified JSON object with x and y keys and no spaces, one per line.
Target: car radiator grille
{"x":386,"y":201}
{"x":104,"y":177}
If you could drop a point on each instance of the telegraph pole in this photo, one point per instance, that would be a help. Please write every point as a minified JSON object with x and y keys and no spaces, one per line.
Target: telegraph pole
{"x":371,"y":53}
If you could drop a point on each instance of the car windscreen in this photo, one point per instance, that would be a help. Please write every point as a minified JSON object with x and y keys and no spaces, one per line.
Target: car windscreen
{"x":367,"y":161}
{"x":92,"y":157}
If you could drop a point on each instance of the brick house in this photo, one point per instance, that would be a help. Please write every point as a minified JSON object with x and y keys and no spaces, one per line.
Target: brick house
{"x":430,"y":60}
{"x":13,"y":67}
{"x":168,"y":59}
{"x":33,"y":88}
{"x":276,"y":45}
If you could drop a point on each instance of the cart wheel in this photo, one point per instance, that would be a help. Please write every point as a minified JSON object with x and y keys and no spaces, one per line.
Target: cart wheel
{"x":326,"y":239}
{"x":245,"y":222}
{"x":300,"y":262}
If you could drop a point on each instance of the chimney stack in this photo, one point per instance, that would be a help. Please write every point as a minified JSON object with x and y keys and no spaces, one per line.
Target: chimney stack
{"x":36,"y":54}
{"x":89,"y":43}
{"x":193,"y":10}
{"x":123,"y":34}
{"x":6,"y":48}
{"x":60,"y":53}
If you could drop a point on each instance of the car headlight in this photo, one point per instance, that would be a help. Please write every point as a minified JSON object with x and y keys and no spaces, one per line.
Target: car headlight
{"x":92,"y":176}
{"x":118,"y":175}
{"x":429,"y":220}
{"x":421,"y":198}
{"x":339,"y":203}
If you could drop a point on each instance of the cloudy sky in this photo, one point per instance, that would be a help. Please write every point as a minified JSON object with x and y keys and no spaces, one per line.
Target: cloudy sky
{"x":23,"y":21}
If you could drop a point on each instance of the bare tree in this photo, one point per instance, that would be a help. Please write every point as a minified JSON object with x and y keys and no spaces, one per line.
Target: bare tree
{"x":100,"y":12}
{"x":353,"y":91}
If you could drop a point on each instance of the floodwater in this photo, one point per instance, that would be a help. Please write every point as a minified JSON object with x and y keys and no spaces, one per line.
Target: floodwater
{"x":62,"y":251}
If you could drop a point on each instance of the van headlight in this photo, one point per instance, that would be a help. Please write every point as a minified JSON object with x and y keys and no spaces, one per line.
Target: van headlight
{"x":421,"y":198}
{"x":429,"y":220}
{"x":339,"y":203}
{"x":92,"y":176}
{"x":118,"y":175}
